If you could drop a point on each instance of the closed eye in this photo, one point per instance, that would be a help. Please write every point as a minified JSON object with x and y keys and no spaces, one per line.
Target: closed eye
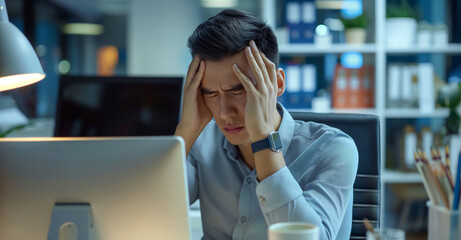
{"x":209,"y":93}
{"x":238,"y":92}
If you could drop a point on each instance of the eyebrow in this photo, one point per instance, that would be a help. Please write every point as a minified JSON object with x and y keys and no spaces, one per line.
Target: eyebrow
{"x":233,"y":88}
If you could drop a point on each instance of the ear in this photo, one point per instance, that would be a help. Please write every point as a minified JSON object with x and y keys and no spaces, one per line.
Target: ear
{"x":280,"y":82}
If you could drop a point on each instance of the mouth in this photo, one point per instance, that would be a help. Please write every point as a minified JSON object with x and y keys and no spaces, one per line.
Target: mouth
{"x":233,"y":130}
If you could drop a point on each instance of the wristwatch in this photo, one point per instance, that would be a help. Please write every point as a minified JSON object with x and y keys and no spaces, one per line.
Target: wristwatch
{"x":272,"y":142}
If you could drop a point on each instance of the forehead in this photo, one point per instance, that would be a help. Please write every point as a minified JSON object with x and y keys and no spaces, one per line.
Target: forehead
{"x":220,"y":73}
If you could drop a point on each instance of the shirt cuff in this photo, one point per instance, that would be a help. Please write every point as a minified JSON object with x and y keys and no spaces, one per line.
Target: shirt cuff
{"x":277,"y":190}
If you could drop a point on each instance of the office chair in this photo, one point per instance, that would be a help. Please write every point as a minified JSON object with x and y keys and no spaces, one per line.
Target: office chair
{"x":364,"y":129}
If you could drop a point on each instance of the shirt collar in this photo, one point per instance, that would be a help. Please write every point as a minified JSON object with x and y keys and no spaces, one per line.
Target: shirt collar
{"x":286,"y":131}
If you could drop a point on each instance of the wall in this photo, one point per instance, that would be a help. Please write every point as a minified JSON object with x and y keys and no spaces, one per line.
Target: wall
{"x":154,"y":46}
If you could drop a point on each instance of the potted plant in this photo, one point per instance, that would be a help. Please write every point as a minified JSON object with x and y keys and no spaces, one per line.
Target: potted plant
{"x":401,"y":25}
{"x":355,"y":29}
{"x":449,"y":96}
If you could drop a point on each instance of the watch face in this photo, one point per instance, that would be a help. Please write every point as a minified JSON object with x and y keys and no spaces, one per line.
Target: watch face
{"x":275,"y":141}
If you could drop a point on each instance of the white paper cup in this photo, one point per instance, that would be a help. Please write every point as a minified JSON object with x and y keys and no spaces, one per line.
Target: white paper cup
{"x":293,"y":231}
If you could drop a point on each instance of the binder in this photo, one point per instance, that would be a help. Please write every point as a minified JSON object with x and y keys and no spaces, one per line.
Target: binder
{"x":293,"y":94}
{"x":353,"y":88}
{"x":368,"y":86}
{"x":393,"y":87}
{"x":293,"y":20}
{"x":426,"y":86}
{"x":308,"y":21}
{"x":309,"y":84}
{"x":354,"y":100}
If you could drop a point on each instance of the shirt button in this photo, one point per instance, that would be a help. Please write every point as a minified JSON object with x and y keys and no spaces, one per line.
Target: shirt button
{"x":262,"y":200}
{"x":243,"y":219}
{"x":248,"y":180}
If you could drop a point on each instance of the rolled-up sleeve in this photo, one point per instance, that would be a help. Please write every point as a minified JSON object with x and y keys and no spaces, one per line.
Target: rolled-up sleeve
{"x":315,"y":188}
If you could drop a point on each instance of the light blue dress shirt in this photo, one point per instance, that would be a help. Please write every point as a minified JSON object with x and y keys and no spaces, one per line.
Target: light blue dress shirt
{"x":315,"y":186}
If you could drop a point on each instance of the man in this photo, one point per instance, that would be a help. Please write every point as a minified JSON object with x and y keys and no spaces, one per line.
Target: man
{"x":230,"y":114}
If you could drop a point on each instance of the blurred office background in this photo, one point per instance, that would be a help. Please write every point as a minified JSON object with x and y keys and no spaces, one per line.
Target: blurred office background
{"x":397,"y":74}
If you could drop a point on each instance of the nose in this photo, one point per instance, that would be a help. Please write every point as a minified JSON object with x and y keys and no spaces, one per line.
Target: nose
{"x":226,"y":109}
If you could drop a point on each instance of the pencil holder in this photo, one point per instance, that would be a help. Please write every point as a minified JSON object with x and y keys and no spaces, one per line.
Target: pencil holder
{"x":444,"y":224}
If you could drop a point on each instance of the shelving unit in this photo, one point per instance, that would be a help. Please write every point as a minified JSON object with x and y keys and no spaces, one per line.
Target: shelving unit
{"x":449,"y":49}
{"x":380,"y":53}
{"x":303,"y":49}
{"x":390,"y":176}
{"x":402,"y":113}
{"x":343,"y":110}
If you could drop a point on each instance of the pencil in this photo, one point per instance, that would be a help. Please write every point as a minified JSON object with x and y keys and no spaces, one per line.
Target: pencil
{"x":427,"y":173}
{"x":432,"y":178}
{"x":446,"y":176}
{"x":447,"y":166}
{"x":457,"y":183}
{"x":447,"y":156}
{"x":429,"y":191}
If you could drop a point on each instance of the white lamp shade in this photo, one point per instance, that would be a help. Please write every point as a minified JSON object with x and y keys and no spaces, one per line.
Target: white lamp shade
{"x":19,"y":65}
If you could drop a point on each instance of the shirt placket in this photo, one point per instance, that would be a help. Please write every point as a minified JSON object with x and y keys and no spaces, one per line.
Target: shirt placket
{"x":245,"y":206}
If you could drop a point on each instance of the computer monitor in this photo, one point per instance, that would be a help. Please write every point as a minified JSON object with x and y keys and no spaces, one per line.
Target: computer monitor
{"x":117,"y":106}
{"x":136,"y":186}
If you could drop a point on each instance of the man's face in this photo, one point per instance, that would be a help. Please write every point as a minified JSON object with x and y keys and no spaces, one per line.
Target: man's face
{"x":226,"y":97}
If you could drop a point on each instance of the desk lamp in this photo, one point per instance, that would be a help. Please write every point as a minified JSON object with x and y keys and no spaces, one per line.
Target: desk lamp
{"x":19,"y":65}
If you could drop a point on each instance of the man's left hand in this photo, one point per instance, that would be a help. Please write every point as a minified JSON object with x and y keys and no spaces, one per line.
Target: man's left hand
{"x":260,"y":111}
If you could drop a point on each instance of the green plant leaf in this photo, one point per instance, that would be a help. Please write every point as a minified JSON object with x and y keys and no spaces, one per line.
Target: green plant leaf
{"x":13,"y":129}
{"x":357,"y":22}
{"x":449,"y":95}
{"x":403,"y":10}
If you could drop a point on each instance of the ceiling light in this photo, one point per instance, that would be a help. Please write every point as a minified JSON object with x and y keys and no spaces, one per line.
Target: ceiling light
{"x":83,"y":29}
{"x":219,"y":3}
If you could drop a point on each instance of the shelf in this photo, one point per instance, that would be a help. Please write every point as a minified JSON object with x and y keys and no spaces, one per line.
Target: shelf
{"x":402,"y":113}
{"x":356,"y":110}
{"x":453,"y":48}
{"x":303,"y":49}
{"x":392,"y":176}
{"x":345,"y":110}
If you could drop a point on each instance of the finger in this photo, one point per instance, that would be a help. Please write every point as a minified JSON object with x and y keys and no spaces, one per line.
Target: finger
{"x":271,"y":70}
{"x":195,"y":83}
{"x":257,"y":55}
{"x":192,"y":70}
{"x":246,"y":82}
{"x":258,"y":75}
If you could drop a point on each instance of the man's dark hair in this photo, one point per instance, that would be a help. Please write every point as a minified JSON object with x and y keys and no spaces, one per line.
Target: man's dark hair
{"x":229,"y":32}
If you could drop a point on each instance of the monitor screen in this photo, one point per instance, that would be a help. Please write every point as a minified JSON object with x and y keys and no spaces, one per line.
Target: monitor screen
{"x":135,"y":187}
{"x":117,"y":106}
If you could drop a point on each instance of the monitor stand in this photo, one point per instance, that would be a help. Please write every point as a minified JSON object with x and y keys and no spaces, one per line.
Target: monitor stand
{"x":70,"y":221}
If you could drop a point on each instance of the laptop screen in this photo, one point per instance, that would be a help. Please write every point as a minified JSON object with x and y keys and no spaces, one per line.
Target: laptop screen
{"x":117,"y":106}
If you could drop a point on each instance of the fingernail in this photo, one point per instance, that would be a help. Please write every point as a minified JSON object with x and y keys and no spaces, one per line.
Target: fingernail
{"x":252,"y":43}
{"x":248,"y":49}
{"x":235,"y":66}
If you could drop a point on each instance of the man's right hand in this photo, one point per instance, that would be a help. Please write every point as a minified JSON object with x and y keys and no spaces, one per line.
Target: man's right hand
{"x":195,"y":114}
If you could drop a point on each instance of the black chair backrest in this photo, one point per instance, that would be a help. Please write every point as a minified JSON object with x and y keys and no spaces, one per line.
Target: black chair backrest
{"x":364,"y":129}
